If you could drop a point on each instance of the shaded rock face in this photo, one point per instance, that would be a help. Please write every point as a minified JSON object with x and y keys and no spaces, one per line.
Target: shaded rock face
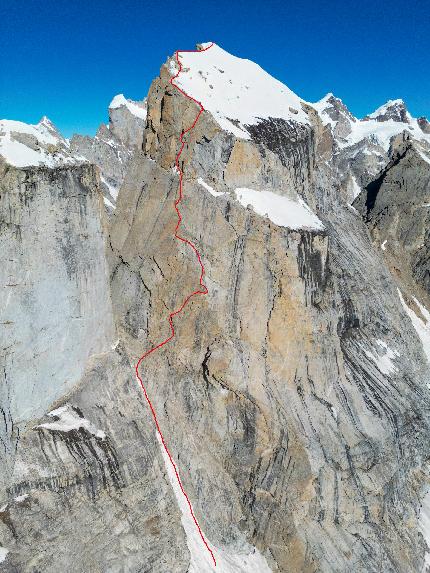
{"x":293,"y":397}
{"x":396,"y":208}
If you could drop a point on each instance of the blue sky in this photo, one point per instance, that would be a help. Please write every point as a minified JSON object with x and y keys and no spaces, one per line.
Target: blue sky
{"x":66,"y":59}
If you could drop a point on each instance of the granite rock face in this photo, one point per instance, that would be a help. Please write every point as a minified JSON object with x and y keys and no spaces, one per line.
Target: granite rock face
{"x":294,"y":397}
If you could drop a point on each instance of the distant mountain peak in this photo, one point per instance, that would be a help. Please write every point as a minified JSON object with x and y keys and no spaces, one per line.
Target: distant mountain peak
{"x":424,"y":124}
{"x":136,"y":108}
{"x":394,"y":110}
{"x":334,"y":108}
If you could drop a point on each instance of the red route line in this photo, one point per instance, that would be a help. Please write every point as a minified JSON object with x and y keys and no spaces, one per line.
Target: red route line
{"x":184,"y":304}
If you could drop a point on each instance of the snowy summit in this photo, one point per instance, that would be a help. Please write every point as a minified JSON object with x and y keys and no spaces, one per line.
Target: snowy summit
{"x":133,"y":107}
{"x":237,"y":92}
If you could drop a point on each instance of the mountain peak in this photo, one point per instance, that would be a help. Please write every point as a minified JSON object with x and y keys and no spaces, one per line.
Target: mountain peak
{"x":332,"y":110}
{"x":136,"y":108}
{"x":394,"y":110}
{"x":237,"y":92}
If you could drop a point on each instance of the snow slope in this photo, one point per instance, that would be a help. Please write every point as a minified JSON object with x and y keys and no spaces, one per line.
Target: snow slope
{"x":232,"y":88}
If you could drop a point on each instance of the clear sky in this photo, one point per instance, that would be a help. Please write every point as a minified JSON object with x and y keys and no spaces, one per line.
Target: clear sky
{"x":67,"y":58}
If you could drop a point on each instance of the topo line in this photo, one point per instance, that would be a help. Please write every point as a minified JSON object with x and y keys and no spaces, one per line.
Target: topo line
{"x":203,"y":291}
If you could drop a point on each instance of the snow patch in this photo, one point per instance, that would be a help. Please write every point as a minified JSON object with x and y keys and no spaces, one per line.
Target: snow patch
{"x":21,"y":498}
{"x":108,"y":203}
{"x":173,"y":67}
{"x":200,"y":559}
{"x":383,"y":358}
{"x":68,"y":420}
{"x":380,"y":131}
{"x":135,"y":109}
{"x":209,"y":188}
{"x":280,"y":210}
{"x":424,"y":525}
{"x":354,"y":188}
{"x":235,"y":91}
{"x":3,"y":553}
{"x":112,"y":190}
{"x":423,"y":156}
{"x":422,"y":327}
{"x":383,"y":247}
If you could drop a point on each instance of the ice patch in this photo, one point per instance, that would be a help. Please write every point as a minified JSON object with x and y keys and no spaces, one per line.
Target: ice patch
{"x":280,"y":210}
{"x":68,"y":420}
{"x":209,"y":188}
{"x":200,"y":558}
{"x":119,"y":100}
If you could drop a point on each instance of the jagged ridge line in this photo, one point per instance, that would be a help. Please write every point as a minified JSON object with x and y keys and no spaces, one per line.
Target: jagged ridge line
{"x":179,"y":310}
